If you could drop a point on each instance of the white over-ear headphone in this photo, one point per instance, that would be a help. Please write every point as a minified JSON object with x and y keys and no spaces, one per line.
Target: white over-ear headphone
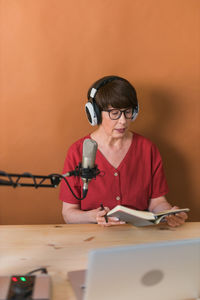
{"x":92,"y":110}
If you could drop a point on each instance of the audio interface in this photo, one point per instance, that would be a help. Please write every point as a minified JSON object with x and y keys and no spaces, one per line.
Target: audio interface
{"x":25,"y":287}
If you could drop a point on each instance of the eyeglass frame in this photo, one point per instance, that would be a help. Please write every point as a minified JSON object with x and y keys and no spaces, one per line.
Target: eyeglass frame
{"x":121,"y":111}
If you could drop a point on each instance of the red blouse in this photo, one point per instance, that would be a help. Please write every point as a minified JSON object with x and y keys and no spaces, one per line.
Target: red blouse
{"x":138,"y":178}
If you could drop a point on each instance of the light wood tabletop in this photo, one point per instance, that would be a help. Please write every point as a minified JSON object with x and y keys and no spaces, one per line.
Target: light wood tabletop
{"x":63,"y":248}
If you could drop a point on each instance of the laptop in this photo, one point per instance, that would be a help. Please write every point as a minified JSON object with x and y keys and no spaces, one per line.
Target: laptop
{"x":165,"y":270}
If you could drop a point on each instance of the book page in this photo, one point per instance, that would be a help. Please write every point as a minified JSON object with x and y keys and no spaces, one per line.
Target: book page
{"x":132,"y":219}
{"x":141,"y":214}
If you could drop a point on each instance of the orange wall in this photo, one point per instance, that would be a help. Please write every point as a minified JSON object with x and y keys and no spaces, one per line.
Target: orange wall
{"x":51,"y":52}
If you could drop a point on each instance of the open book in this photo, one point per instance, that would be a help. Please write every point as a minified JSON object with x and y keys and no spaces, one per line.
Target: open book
{"x":141,"y":218}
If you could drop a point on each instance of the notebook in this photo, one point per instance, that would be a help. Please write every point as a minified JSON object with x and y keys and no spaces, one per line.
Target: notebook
{"x":165,"y":270}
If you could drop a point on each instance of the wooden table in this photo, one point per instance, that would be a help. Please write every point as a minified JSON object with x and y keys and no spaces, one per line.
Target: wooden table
{"x":62,"y":248}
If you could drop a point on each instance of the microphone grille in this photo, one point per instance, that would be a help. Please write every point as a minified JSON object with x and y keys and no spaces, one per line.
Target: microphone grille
{"x":89,"y":148}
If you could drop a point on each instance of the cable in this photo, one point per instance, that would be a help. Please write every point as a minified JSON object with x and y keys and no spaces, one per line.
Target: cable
{"x":66,"y":181}
{"x":43,"y":270}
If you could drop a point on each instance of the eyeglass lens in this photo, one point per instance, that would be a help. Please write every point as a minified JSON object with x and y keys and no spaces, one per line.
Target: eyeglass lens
{"x":116,"y":113}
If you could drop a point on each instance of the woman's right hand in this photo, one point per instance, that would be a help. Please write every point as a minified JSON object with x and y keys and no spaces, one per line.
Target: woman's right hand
{"x":101,"y":220}
{"x":73,"y":214}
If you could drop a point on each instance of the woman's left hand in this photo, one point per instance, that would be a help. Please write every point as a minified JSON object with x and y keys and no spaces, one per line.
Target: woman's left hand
{"x":177,"y":219}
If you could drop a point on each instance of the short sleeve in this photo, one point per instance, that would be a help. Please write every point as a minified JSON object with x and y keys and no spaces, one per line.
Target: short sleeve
{"x":159,"y":186}
{"x":72,"y":160}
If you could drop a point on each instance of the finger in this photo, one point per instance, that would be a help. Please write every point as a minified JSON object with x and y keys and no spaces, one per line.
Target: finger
{"x":101,"y":213}
{"x":113,"y":219}
{"x":174,"y":221}
{"x":103,"y":222}
{"x":107,"y":209}
{"x":182,"y":215}
{"x":100,"y":219}
{"x":171,"y":223}
{"x":111,"y":223}
{"x":174,"y":207}
{"x":171,"y":220}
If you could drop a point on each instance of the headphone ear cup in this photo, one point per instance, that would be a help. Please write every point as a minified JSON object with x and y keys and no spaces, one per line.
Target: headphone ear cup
{"x":97,"y":112}
{"x":135,"y":112}
{"x":91,"y":114}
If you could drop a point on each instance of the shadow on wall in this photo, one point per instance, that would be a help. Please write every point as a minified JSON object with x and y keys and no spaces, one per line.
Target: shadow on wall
{"x":160,"y":113}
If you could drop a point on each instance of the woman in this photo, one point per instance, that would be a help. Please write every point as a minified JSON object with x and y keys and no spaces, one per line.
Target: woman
{"x":131,"y":167}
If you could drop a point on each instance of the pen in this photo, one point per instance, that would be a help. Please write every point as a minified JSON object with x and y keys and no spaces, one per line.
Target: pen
{"x":105,"y":216}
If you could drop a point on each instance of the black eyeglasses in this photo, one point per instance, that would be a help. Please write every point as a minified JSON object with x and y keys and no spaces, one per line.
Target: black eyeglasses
{"x":115,"y":114}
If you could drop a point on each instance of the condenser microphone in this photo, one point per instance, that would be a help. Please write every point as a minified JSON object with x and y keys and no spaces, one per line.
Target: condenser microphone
{"x":88,"y":161}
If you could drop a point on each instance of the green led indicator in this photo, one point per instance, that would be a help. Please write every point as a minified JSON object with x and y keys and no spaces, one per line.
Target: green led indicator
{"x":23,"y":278}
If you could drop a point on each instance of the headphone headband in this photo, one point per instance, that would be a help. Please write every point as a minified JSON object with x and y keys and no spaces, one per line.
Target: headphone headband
{"x":92,"y":92}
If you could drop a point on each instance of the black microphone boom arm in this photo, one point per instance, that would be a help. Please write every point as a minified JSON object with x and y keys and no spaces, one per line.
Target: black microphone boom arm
{"x":51,"y":180}
{"x":27,"y":179}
